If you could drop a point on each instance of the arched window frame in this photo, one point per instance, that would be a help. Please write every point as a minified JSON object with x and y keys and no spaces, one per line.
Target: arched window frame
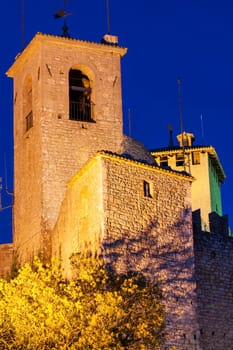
{"x":81,"y":106}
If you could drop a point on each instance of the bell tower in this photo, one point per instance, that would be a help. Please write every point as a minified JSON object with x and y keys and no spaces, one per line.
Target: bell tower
{"x":67,"y":106}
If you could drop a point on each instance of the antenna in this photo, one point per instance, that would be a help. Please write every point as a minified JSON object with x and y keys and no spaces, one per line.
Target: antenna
{"x":0,"y":194}
{"x":22,"y":4}
{"x":180,"y":106}
{"x":1,"y":207}
{"x":202,"y":130}
{"x":129,"y":122}
{"x":171,"y":143}
{"x":108,"y":15}
{"x":6,"y":178}
{"x":181,"y":117}
{"x":5,"y":169}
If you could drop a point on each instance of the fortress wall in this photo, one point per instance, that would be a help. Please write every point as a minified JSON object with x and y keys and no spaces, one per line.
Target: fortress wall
{"x":214,"y":275}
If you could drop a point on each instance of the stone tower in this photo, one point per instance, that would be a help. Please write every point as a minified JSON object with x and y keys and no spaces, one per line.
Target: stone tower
{"x":67,"y":106}
{"x":80,"y":184}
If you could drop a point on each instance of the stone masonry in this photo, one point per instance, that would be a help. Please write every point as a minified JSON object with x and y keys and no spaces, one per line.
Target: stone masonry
{"x":214,"y":276}
{"x":6,"y":259}
{"x":55,"y":148}
{"x":84,"y":186}
{"x":106,"y":211}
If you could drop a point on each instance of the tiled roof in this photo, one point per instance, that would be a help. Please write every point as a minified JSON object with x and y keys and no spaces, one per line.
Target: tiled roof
{"x":143,"y":163}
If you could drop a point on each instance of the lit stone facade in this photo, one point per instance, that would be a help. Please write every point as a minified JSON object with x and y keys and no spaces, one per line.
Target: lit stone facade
{"x":50,"y":152}
{"x":153,"y":234}
{"x":107,"y":211}
{"x":80,"y":225}
{"x":6,"y":256}
{"x":84,"y":186}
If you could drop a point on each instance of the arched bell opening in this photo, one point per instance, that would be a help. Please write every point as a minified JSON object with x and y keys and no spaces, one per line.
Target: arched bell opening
{"x":81,"y":106}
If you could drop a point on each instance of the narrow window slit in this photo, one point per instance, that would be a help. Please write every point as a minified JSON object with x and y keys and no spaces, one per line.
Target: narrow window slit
{"x":147,"y":189}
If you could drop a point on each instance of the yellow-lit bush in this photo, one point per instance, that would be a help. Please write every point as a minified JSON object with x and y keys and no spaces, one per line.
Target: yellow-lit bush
{"x":39,"y":310}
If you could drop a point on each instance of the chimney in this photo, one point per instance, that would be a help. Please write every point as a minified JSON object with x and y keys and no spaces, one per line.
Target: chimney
{"x":185,"y":139}
{"x":110,"y":39}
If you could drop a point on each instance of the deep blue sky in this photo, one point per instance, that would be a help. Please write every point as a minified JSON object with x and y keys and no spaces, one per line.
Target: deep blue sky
{"x":166,"y":39}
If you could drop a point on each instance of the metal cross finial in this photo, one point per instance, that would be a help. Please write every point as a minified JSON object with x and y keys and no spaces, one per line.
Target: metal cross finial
{"x":63,"y":14}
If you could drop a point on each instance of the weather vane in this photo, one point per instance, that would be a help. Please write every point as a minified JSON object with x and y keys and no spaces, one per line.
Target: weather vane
{"x":63,"y":14}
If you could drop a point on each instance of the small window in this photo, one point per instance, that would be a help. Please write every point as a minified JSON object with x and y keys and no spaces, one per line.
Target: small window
{"x":180,"y":159}
{"x":147,"y":189}
{"x":164,"y":161}
{"x":196,"y":158}
{"x":29,"y":121}
{"x":81,"y":107}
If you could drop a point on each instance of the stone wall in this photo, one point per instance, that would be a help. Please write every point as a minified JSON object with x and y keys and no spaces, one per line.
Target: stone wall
{"x":214,"y":275}
{"x":51,"y":152}
{"x":68,"y":144}
{"x":107,"y":210}
{"x":6,"y":258}
{"x":219,"y":223}
{"x":27,"y":163}
{"x":80,"y":223}
{"x":134,"y":149}
{"x":153,"y":234}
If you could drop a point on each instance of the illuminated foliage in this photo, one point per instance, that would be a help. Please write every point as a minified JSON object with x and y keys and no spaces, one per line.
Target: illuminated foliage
{"x":39,"y":310}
